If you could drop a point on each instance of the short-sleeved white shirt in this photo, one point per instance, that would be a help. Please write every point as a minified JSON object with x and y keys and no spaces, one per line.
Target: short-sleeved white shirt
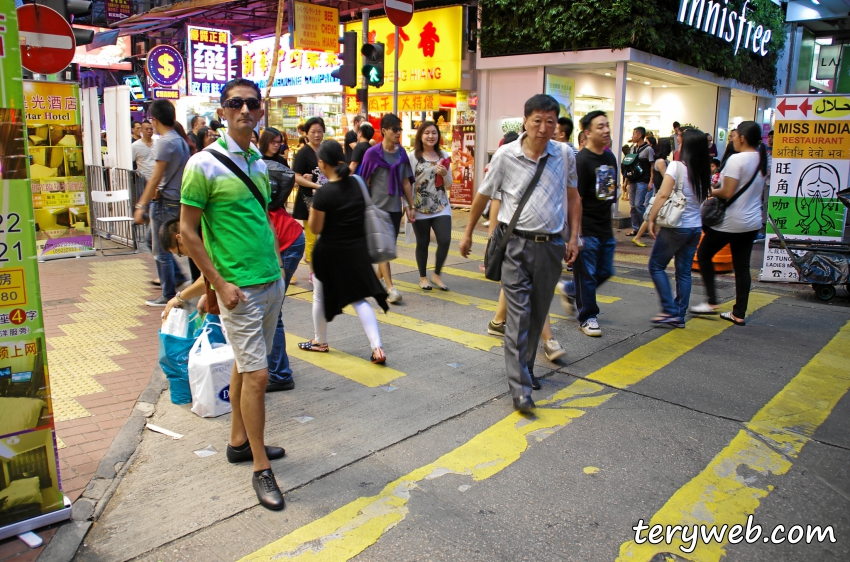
{"x":745,"y":214}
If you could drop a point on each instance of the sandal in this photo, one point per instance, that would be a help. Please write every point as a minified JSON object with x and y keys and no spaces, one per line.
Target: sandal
{"x":729,"y":318}
{"x":380,"y":359}
{"x":441,"y":287}
{"x":313,"y":346}
{"x":638,"y":243}
{"x":669,"y":321}
{"x":631,"y":233}
{"x":425,"y":287}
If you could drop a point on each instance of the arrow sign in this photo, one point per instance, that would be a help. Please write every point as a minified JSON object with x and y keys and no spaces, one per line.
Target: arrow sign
{"x":47,"y":40}
{"x":784,"y":107}
{"x":399,"y":12}
{"x":805,"y":107}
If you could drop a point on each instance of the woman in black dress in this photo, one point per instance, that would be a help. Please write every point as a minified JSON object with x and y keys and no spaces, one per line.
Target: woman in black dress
{"x":341,"y":264}
{"x":308,"y":177}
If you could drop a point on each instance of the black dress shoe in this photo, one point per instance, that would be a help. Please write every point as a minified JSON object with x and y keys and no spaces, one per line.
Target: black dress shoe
{"x":267,"y":491}
{"x":244,"y":454}
{"x":524,"y":404}
{"x":535,"y":383}
{"x":278,"y":386}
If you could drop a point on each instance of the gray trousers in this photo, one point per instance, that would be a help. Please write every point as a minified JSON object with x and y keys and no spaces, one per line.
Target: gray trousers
{"x":529,"y":275}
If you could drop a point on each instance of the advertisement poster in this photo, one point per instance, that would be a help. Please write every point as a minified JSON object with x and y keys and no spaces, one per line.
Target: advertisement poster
{"x":29,"y":476}
{"x":298,"y":72}
{"x":811,"y":163}
{"x":117,"y":10}
{"x":316,"y":28}
{"x":463,"y":165}
{"x":562,"y":89}
{"x":209,"y":60}
{"x":57,"y":169}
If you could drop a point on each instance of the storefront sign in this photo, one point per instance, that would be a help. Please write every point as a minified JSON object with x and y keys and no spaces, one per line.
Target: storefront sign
{"x":462,"y":101}
{"x":407,"y":102}
{"x":29,"y":467}
{"x":137,"y":93}
{"x":57,"y":169}
{"x":811,"y":163}
{"x":117,"y":10}
{"x":109,"y":56}
{"x":563,"y":89}
{"x":298,"y":72}
{"x":165,"y":65}
{"x":722,"y":21}
{"x":209,"y":60}
{"x":316,"y":27}
{"x":429,"y":50}
{"x":165,"y":94}
{"x":828,"y":62}
{"x":463,"y":165}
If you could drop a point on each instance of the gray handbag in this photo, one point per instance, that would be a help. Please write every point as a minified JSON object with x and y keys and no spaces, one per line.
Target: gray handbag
{"x":380,"y":233}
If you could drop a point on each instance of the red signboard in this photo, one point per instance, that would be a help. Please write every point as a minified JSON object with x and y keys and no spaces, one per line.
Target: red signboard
{"x":399,"y":12}
{"x":47,"y":40}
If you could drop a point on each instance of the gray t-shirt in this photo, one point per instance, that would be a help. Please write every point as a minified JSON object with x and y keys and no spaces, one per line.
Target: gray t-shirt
{"x":143,"y":157}
{"x":171,"y":148}
{"x":380,"y":184}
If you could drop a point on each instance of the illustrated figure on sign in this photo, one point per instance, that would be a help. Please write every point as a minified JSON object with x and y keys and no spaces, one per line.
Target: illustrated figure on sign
{"x":818,"y":184}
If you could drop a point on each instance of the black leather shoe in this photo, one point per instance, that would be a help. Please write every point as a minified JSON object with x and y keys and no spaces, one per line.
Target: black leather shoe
{"x":524,"y":404}
{"x":535,"y":383}
{"x":243,"y":455}
{"x":278,"y":386}
{"x":267,"y":491}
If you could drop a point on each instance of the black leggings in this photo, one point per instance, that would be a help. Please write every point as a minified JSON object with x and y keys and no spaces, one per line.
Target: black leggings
{"x":741,"y":244}
{"x":442,"y":227}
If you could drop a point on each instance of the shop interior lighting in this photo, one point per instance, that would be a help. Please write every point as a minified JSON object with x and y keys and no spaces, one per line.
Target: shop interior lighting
{"x":646,"y":83}
{"x":628,"y":78}
{"x":664,"y":85}
{"x":816,"y":2}
{"x":607,"y":74}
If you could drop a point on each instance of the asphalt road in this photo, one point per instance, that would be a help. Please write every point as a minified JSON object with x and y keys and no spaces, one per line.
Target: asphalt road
{"x":426,"y":459}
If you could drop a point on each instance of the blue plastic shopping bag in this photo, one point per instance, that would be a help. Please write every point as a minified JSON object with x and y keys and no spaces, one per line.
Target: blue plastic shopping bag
{"x":174,"y":360}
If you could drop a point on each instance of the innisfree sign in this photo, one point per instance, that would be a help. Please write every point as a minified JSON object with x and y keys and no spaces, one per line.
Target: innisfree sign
{"x":724,"y":22}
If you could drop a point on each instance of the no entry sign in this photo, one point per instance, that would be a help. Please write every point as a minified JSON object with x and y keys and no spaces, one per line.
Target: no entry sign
{"x":47,"y":40}
{"x":399,"y":12}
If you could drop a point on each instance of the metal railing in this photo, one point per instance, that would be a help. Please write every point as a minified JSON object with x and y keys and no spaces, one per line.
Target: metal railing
{"x":101,"y":178}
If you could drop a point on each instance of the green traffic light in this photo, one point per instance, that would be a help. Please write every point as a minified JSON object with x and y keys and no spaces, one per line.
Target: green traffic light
{"x":373,"y":76}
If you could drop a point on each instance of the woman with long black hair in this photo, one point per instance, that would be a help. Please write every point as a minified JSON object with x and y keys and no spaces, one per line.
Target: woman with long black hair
{"x":343,"y":272}
{"x":691,"y":176}
{"x":747,"y":169}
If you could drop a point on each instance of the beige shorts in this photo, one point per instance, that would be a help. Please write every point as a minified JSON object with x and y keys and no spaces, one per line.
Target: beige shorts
{"x":251,"y":325}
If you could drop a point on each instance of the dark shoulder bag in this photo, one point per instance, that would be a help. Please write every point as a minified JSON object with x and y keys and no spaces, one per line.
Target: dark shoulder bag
{"x":494,"y":255}
{"x":212,"y":300}
{"x":713,"y":209}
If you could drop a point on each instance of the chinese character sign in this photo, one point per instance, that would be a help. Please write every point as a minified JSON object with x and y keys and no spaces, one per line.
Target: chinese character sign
{"x":298,"y":71}
{"x":316,"y":27}
{"x":59,"y":194}
{"x":209,"y":60}
{"x":117,"y":10}
{"x":810,"y":165}
{"x":28,"y":461}
{"x":563,"y":90}
{"x":463,"y":165}
{"x":429,"y":49}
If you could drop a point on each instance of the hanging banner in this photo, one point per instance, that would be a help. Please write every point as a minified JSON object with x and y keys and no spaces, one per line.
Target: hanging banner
{"x":563,"y":89}
{"x":59,"y":195}
{"x":30,"y":488}
{"x":209,"y":60}
{"x":811,"y":163}
{"x":463,"y":165}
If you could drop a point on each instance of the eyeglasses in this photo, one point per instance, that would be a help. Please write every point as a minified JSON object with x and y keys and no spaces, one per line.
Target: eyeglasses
{"x":275,"y":142}
{"x":396,"y":130}
{"x":237,"y":103}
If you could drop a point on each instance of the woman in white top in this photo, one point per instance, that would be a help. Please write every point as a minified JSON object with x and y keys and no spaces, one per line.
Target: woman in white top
{"x":746,"y":169}
{"x":432,"y":169}
{"x":692,"y":175}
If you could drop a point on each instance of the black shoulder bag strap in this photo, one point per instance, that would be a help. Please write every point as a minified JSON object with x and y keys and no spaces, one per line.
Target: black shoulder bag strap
{"x":525,"y":196}
{"x":741,"y":191}
{"x":231,"y":165}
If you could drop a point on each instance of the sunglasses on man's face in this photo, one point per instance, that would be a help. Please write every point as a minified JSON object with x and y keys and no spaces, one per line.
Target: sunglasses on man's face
{"x":396,"y":130}
{"x":237,"y":103}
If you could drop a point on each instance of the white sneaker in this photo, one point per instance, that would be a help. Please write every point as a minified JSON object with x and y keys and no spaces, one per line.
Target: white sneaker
{"x":394,"y":296}
{"x":704,"y":308}
{"x":553,"y":350}
{"x":591,"y":328}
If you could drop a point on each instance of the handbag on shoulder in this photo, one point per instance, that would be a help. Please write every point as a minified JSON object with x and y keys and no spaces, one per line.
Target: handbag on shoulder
{"x":713,"y":209}
{"x":380,"y":232}
{"x":670,"y":213}
{"x":494,"y":254}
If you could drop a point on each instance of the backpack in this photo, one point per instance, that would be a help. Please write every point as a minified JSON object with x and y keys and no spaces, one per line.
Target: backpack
{"x":282,"y":180}
{"x":631,"y":165}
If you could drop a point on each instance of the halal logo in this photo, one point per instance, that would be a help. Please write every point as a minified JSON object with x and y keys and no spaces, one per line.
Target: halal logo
{"x":165,"y":65}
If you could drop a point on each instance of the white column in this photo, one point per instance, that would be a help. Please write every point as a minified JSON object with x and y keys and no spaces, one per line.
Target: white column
{"x":724,"y":97}
{"x":482,"y":125}
{"x":619,"y":121}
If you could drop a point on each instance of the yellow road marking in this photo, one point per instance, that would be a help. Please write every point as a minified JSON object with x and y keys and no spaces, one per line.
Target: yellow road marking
{"x":627,"y":281}
{"x":478,"y":276}
{"x":353,"y":368}
{"x":470,"y":340}
{"x":458,"y":298}
{"x":351,"y":529}
{"x":721,"y":494}
{"x":455,"y":253}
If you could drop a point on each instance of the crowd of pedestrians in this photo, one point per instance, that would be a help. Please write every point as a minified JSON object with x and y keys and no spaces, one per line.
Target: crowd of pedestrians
{"x":549,"y":204}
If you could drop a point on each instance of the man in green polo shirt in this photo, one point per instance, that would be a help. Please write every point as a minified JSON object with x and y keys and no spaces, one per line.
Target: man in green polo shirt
{"x":239,"y":257}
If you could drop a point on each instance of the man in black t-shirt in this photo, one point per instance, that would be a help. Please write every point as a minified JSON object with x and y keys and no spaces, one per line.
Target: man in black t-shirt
{"x":364,"y":135}
{"x":597,"y":184}
{"x":351,"y":137}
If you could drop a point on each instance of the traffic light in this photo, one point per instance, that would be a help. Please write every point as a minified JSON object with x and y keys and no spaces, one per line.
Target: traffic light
{"x":70,"y":8}
{"x":373,"y":67}
{"x":347,"y":72}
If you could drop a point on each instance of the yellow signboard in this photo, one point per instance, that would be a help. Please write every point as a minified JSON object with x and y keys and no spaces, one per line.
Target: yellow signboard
{"x":406,"y":102}
{"x":429,"y":50}
{"x":812,"y":139}
{"x":316,"y":27}
{"x":13,"y":288}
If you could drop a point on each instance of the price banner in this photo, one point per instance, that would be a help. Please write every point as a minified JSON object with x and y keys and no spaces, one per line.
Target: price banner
{"x":29,"y":468}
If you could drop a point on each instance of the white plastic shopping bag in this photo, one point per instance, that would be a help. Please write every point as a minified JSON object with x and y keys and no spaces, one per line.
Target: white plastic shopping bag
{"x":409,"y":238}
{"x":209,"y":377}
{"x":177,"y":323}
